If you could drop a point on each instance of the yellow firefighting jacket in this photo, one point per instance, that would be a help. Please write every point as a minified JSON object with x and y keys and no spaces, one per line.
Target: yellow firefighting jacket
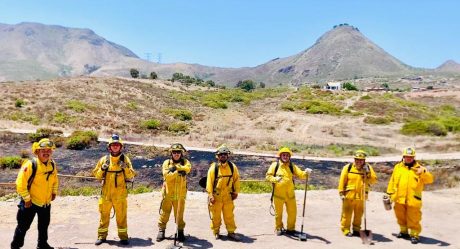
{"x":405,"y":186}
{"x":44,"y":185}
{"x":226,"y":183}
{"x":284,"y":188}
{"x":352,"y":181}
{"x":172,"y":181}
{"x":115,"y":177}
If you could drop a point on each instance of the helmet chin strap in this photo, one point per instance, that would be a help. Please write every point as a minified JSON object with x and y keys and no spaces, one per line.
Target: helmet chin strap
{"x":115,"y":154}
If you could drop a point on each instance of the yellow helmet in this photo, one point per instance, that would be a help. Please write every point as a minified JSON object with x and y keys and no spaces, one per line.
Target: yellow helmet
{"x":44,"y":143}
{"x":223,"y":149}
{"x":115,"y":139}
{"x":177,"y":147}
{"x":409,"y":151}
{"x":360,"y":154}
{"x":284,"y":150}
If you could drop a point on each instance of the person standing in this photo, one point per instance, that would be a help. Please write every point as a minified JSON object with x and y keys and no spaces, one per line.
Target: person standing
{"x":174,"y":191}
{"x":37,"y":184}
{"x":354,"y":183}
{"x":405,"y":190}
{"x":114,"y":170}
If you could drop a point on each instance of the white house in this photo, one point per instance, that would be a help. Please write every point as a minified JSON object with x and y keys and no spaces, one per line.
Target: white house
{"x":333,"y":86}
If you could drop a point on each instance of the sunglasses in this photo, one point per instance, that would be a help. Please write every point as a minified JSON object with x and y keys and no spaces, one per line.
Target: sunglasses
{"x":47,"y":144}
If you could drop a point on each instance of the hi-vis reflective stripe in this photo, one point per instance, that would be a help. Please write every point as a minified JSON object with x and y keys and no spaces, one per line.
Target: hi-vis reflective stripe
{"x":122,"y":230}
{"x":102,"y":230}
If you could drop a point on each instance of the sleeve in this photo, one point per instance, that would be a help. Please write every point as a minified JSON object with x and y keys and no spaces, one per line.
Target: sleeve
{"x":56,"y":179}
{"x":270,"y":175}
{"x":97,"y":171}
{"x":236,"y":179}
{"x":165,"y":170}
{"x":373,"y":177}
{"x":23,"y":177}
{"x":187,"y":167}
{"x":301,"y":174}
{"x":426,"y":177}
{"x":390,"y":188}
{"x":130,"y":173}
{"x":343,"y":179}
{"x":210,"y":180}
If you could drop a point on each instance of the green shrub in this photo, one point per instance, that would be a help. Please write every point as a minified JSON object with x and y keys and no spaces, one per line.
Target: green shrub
{"x":80,"y":191}
{"x":255,"y":187}
{"x":181,"y":114}
{"x":80,"y":140}
{"x":451,"y":123}
{"x":178,"y":127}
{"x":349,"y":86}
{"x":215,"y":104}
{"x":132,"y":106}
{"x":151,"y":124}
{"x":321,"y":107}
{"x":19,"y":103}
{"x":10,"y":162}
{"x":377,"y":120}
{"x":134,"y":73}
{"x":365,"y":97}
{"x":44,"y":133}
{"x":421,"y":127}
{"x":288,"y":106}
{"x":76,"y":105}
{"x":62,"y":118}
{"x":140,"y":190}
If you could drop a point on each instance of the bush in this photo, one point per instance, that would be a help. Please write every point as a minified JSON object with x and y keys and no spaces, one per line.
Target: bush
{"x":178,"y":127}
{"x":151,"y":124}
{"x":451,"y":123}
{"x":80,"y":140}
{"x":288,"y":106}
{"x":365,"y":97}
{"x":153,"y":76}
{"x":10,"y":162}
{"x":76,"y":105}
{"x":181,"y":114}
{"x":44,"y":133}
{"x":134,"y":73}
{"x":349,"y":86}
{"x":421,"y":127}
{"x":19,"y":103}
{"x":215,"y":104}
{"x":79,"y":191}
{"x":246,"y":85}
{"x":377,"y":120}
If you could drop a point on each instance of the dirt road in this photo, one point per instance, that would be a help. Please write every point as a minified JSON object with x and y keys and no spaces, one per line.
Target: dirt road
{"x":75,"y":220}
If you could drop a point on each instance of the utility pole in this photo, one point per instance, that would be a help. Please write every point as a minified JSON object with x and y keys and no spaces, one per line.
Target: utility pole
{"x":148,"y":55}
{"x":159,"y":58}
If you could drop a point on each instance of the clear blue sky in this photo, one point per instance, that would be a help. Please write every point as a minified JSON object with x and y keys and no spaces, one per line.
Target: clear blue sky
{"x":236,"y":33}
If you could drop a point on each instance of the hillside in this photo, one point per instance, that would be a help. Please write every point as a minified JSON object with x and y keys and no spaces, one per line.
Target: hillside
{"x":449,"y":66}
{"x":74,"y":222}
{"x":38,"y":51}
{"x":33,"y":50}
{"x":311,"y":121}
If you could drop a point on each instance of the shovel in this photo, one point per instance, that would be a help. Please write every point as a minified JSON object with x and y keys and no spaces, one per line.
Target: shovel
{"x":366,"y":235}
{"x":302,"y":235}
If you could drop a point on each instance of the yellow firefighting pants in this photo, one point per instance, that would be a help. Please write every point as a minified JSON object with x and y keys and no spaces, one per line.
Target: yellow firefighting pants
{"x":226,"y":209}
{"x":351,"y":208}
{"x":291,"y":210}
{"x":120,"y":208}
{"x":166,"y":207}
{"x":408,"y":218}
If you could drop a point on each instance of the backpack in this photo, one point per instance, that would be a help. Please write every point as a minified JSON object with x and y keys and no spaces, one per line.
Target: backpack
{"x":34,"y":172}
{"x":216,"y":174}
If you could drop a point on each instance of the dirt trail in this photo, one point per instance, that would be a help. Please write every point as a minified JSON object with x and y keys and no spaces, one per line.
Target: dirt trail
{"x":75,"y":220}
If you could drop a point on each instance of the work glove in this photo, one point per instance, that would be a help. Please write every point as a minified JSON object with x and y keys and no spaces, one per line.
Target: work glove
{"x":366,"y":168}
{"x":278,"y":178}
{"x":342,"y":195}
{"x":124,"y":165}
{"x":104,"y":166}
{"x":234,"y":195}
{"x":182,"y":173}
{"x":172,"y":169}
{"x":28,"y":204}
{"x":212,"y":200}
{"x":420,"y":170}
{"x":308,"y":171}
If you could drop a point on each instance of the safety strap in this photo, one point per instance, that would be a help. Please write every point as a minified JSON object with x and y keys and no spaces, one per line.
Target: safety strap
{"x":107,"y":162}
{"x":291,"y":167}
{"x":216,"y":175}
{"x":34,"y":172}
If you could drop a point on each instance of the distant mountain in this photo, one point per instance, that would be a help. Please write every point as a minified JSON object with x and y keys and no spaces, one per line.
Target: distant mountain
{"x":449,"y":66}
{"x":33,"y":50}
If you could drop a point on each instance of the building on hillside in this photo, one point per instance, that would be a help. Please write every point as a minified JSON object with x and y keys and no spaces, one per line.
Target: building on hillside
{"x":376,"y":89}
{"x":334,"y":86}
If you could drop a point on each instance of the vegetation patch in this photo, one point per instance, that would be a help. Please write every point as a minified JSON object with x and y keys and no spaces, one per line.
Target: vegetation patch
{"x":179,"y":127}
{"x":378,"y":120}
{"x":11,"y":162}
{"x":80,"y":140}
{"x":151,"y":124}
{"x":422,"y":127}
{"x":181,"y":114}
{"x":44,"y":133}
{"x":76,"y":105}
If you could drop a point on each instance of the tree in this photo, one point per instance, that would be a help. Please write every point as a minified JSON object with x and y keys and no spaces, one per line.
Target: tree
{"x":210,"y":83}
{"x":262,"y":85}
{"x":350,"y":86}
{"x":153,"y":76}
{"x":247,"y":85}
{"x":134,"y":73}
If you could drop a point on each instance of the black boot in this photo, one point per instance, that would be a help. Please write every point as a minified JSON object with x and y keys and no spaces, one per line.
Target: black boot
{"x":44,"y":246}
{"x":181,"y":236}
{"x":161,"y":235}
{"x":402,"y":235}
{"x":414,"y":240}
